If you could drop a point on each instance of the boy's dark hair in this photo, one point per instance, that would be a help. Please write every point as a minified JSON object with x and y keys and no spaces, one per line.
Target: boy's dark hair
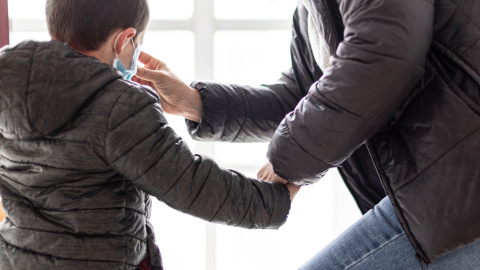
{"x":86,"y":24}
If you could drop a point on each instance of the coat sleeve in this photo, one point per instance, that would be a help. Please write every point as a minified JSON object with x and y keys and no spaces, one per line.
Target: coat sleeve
{"x":240,"y":113}
{"x":143,"y":148}
{"x":377,"y":65}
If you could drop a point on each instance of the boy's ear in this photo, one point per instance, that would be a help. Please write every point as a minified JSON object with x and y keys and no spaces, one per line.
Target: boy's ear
{"x":123,"y":38}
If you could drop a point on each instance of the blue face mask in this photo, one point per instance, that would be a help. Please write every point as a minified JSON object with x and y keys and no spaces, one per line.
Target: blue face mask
{"x":127,"y":73}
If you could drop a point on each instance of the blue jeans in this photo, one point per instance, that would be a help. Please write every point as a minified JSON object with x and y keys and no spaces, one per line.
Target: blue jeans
{"x":377,"y":241}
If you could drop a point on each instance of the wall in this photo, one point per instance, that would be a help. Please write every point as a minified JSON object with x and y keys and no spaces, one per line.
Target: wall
{"x":4,"y":25}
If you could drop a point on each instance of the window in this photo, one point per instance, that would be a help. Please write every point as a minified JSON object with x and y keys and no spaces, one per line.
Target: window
{"x":237,"y":41}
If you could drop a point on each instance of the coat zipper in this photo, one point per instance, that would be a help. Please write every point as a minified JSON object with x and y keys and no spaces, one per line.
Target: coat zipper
{"x":329,"y":8}
{"x":420,"y":255}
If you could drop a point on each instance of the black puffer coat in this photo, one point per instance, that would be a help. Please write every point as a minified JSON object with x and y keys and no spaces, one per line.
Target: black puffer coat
{"x":405,"y":82}
{"x":81,"y":150}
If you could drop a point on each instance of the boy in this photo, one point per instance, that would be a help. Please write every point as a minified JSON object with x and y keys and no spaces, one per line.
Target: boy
{"x":81,"y":150}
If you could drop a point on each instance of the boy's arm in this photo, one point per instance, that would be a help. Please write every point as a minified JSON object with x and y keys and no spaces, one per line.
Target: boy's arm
{"x":142,"y":147}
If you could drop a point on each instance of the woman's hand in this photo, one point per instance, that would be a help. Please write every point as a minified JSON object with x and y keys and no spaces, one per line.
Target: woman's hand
{"x":267,"y":174}
{"x":176,"y":97}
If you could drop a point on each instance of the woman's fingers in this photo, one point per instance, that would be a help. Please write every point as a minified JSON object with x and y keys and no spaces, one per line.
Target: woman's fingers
{"x":151,"y":62}
{"x":267,"y":174}
{"x":146,"y":74}
{"x":262,"y":171}
{"x":146,"y":58}
{"x":142,"y":81}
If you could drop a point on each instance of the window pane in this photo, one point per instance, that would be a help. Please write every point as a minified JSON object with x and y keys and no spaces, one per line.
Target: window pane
{"x":179,"y":236}
{"x":254,"y":9}
{"x":26,"y":9}
{"x":232,"y":155}
{"x":319,"y":213}
{"x":171,"y":10}
{"x":251,"y":57}
{"x":175,"y":48}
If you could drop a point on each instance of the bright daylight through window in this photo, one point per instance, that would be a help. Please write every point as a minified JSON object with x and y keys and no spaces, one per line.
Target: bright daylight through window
{"x":234,"y":41}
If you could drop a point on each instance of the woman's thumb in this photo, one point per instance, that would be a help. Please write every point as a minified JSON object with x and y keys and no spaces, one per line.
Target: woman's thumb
{"x":148,"y":74}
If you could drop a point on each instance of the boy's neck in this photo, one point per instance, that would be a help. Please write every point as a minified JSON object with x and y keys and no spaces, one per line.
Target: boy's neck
{"x":100,"y":55}
{"x":105,"y":53}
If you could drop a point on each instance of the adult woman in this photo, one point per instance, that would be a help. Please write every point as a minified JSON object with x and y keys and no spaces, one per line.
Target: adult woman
{"x":400,"y":89}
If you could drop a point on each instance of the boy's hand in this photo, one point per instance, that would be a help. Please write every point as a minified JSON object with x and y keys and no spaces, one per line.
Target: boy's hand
{"x":2,"y":214}
{"x":267,"y":174}
{"x":176,"y":97}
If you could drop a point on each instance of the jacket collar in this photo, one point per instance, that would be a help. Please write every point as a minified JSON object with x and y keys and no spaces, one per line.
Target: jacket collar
{"x":328,"y":19}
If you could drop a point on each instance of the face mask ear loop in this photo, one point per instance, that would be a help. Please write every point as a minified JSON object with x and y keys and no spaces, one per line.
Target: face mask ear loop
{"x":133,"y":43}
{"x":115,"y":44}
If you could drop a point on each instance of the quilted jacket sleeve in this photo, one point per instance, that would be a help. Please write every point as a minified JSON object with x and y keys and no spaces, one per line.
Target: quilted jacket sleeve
{"x":379,"y":62}
{"x":142,"y":147}
{"x":240,"y":113}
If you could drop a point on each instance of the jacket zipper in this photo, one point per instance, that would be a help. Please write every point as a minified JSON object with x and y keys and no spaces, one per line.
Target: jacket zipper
{"x":421,"y":257}
{"x":329,"y":7}
{"x":334,"y":9}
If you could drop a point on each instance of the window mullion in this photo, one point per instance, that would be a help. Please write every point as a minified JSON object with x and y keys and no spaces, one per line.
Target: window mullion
{"x":204,"y":29}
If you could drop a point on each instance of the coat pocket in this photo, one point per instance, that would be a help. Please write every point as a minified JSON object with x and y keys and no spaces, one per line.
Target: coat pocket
{"x":459,"y":77}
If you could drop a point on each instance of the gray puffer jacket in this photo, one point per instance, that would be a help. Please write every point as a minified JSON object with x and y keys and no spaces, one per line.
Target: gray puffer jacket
{"x":81,"y":150}
{"x":399,"y":105}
